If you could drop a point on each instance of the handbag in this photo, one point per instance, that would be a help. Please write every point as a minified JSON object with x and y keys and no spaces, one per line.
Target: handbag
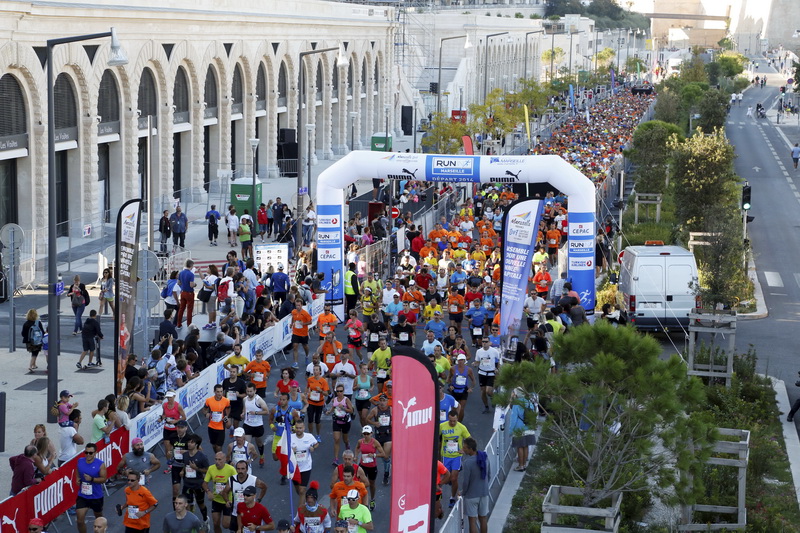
{"x":77,"y":299}
{"x":204,"y":295}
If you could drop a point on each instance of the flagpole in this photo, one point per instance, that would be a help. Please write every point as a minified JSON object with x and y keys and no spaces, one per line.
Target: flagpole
{"x":287,"y":428}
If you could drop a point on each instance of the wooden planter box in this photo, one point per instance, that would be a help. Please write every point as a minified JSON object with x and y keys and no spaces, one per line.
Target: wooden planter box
{"x":552,"y":510}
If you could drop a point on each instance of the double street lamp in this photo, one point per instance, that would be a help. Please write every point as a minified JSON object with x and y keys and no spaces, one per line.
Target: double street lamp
{"x":486,"y":61}
{"x":571,"y":34}
{"x":439,"y":84}
{"x":525,"y":56}
{"x":117,"y":58}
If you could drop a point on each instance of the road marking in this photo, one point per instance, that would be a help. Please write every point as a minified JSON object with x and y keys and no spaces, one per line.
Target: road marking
{"x":777,"y":294}
{"x":788,"y":143}
{"x":773,"y":279}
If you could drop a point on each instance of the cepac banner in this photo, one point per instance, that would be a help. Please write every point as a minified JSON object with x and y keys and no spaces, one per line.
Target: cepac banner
{"x":581,"y":242}
{"x":519,"y":236}
{"x":58,"y":491}
{"x":415,"y":441}
{"x":126,"y":276}
{"x":329,"y":255}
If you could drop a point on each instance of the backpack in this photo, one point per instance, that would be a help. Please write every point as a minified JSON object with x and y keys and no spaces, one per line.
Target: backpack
{"x":222,"y":291}
{"x":168,"y":288}
{"x":35,"y":335}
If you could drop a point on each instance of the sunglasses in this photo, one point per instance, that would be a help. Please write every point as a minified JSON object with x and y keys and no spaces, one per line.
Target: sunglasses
{"x":352,"y":499}
{"x":34,"y":528}
{"x":133,"y":480}
{"x":88,"y":453}
{"x":339,"y":390}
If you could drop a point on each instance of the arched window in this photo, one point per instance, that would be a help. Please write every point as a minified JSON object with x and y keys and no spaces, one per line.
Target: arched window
{"x":148,"y":99}
{"x":335,"y":78}
{"x":211,"y":98}
{"x":320,"y":79}
{"x":375,"y":76}
{"x":66,"y":113}
{"x":108,"y":104}
{"x":180,"y":98}
{"x":261,"y":88}
{"x":364,"y":76}
{"x":237,"y":91}
{"x":282,"y":85}
{"x":350,"y":78}
{"x":13,"y":118}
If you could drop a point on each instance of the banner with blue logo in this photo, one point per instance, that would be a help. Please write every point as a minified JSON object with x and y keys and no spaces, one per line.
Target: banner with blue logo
{"x":330,"y":260}
{"x":581,"y":257}
{"x":520,"y":227}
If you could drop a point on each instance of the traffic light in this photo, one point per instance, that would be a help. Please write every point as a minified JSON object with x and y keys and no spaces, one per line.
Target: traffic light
{"x":746,"y":194}
{"x":434,"y":87}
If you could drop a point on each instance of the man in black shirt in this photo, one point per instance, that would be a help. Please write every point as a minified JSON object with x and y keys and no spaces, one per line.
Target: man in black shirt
{"x":403,"y":333}
{"x":376,"y":330}
{"x":89,"y":334}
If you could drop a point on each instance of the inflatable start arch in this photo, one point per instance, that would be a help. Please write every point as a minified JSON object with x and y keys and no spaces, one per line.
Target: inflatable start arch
{"x":459,"y":169}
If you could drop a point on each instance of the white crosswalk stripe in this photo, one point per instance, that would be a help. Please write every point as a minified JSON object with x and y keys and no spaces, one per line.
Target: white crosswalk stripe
{"x":773,"y":279}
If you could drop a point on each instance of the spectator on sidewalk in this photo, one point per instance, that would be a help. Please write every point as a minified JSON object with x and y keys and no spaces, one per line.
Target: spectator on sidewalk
{"x":33,"y":337}
{"x":164,"y":230}
{"x":89,"y":335}
{"x":178,"y":224}
{"x":79,"y":298}
{"x":23,"y":470}
{"x":213,"y":216}
{"x":232,"y":223}
{"x":187,"y":284}
{"x":262,"y":217}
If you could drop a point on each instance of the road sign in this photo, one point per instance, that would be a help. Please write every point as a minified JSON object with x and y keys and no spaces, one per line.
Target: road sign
{"x":302,"y":191}
{"x":395,"y":212}
{"x":59,"y":288}
{"x":12,"y":236}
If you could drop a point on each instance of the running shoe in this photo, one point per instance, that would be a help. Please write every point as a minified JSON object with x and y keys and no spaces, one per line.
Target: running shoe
{"x":319,"y":439}
{"x":261,"y":463}
{"x":372,"y":505}
{"x":335,"y":462}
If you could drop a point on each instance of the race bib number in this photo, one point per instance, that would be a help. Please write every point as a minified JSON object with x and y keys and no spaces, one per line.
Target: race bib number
{"x":216,"y":417}
{"x":178,"y":454}
{"x":451,"y":446}
{"x":362,"y":394}
{"x":367,"y":459}
{"x":487,"y":305}
{"x":373,"y":337}
{"x":219,"y":487}
{"x":461,"y":381}
{"x":454,"y":309}
{"x":326,"y":329}
{"x":132,"y":512}
{"x":142,"y":479}
{"x":86,"y":489}
{"x":384,"y":420}
{"x":404,"y":336}
{"x":258,"y":376}
{"x":190,"y":472}
{"x":381,"y":374}
{"x":301,"y":455}
{"x":298,"y":324}
{"x":239,"y":456}
{"x":240,"y":497}
{"x":232,"y":396}
{"x":442,"y":415}
{"x":339,"y":412}
{"x":414,"y":305}
{"x":252,"y":420}
{"x":246,"y":530}
{"x":315,"y":396}
{"x":330,"y":358}
{"x":352,"y":332}
{"x":477,"y":331}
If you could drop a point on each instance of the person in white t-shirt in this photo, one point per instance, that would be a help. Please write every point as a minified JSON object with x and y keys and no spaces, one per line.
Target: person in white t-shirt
{"x":388,"y":293}
{"x":487,"y":359}
{"x":466,"y":225}
{"x":309,"y":221}
{"x":303,"y":445}
{"x":344,"y":373}
{"x":69,"y":438}
{"x":533,"y":307}
{"x":232,"y":221}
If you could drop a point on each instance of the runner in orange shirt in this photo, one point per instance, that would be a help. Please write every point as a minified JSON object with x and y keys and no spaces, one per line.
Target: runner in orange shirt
{"x":455,"y":306}
{"x":217,"y":409}
{"x":139,"y":503}
{"x":326,"y":322}
{"x":553,"y":238}
{"x":317,"y":389}
{"x":257,"y":371}
{"x":341,"y":488}
{"x":542,"y":281}
{"x":301,"y":320}
{"x":329,"y":350}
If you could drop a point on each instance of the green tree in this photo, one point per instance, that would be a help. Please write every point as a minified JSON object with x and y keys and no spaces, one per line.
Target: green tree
{"x":694,"y":70}
{"x":731,"y":64}
{"x":531,"y":93}
{"x":604,"y":58}
{"x":713,"y":71}
{"x":713,"y":110}
{"x":553,"y":57}
{"x":668,"y":107}
{"x":703,"y":176}
{"x":444,"y":134}
{"x":651,"y":153}
{"x":605,"y":8}
{"x":560,"y":8}
{"x":634,"y":65}
{"x":723,"y":278}
{"x":495,"y":116}
{"x":622,"y":414}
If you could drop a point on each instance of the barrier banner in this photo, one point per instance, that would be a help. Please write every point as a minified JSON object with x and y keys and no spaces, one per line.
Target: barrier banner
{"x":58,"y":491}
{"x":519,"y":235}
{"x":126,"y":277}
{"x":415,"y":439}
{"x":330,"y":240}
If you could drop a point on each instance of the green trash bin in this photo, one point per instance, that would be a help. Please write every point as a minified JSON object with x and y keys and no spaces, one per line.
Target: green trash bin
{"x":242,"y":196}
{"x":380,"y":141}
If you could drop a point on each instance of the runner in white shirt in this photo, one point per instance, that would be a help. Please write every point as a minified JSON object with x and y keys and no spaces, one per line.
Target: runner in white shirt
{"x":241,"y":450}
{"x":487,"y":359}
{"x":344,"y":373}
{"x":303,"y":444}
{"x":254,"y":410}
{"x":533,"y":307}
{"x":466,"y":225}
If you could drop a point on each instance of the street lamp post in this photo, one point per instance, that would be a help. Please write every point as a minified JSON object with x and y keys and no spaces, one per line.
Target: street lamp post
{"x":486,"y":61}
{"x":439,"y":84}
{"x":619,"y":38}
{"x":116,"y":58}
{"x":571,"y":34}
{"x":525,"y":55}
{"x":414,"y":121}
{"x":301,"y":94}
{"x":353,"y":115}
{"x":254,"y":148}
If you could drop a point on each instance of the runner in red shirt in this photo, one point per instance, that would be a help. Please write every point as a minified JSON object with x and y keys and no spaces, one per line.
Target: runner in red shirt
{"x":252,"y":515}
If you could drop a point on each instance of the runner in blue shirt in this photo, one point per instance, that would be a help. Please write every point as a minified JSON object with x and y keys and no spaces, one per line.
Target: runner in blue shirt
{"x":477,"y":315}
{"x":437,"y":326}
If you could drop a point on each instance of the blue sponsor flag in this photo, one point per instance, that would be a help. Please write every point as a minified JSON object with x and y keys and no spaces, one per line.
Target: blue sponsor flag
{"x":571,"y":97}
{"x":519,"y":235}
{"x":613,"y":82}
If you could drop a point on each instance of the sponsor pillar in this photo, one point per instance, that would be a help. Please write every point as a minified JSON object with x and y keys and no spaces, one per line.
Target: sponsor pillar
{"x":126,"y":277}
{"x":330,"y":254}
{"x":581,"y":266}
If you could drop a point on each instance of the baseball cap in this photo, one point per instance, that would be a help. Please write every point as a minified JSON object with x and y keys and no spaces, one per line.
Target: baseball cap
{"x":294,"y":383}
{"x":182,"y":424}
{"x":389,"y":383}
{"x":249,"y":491}
{"x":137,"y":440}
{"x":65,"y":393}
{"x":461,"y":357}
{"x":36,"y":522}
{"x":352,"y":494}
{"x":366,"y":429}
{"x":437,"y":312}
{"x":367,"y":289}
{"x":412,"y":282}
{"x":238,"y":432}
{"x":170,"y":394}
{"x":280,"y":266}
{"x":283,"y":524}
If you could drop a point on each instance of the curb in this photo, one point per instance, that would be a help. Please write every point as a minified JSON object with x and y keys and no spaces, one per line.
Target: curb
{"x":761,"y":306}
{"x":790,"y":438}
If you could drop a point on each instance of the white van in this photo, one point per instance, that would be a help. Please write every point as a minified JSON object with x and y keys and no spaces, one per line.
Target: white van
{"x":656,"y":285}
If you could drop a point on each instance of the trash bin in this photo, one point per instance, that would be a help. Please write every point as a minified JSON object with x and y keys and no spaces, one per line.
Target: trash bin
{"x":380,"y":140}
{"x":242,"y":195}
